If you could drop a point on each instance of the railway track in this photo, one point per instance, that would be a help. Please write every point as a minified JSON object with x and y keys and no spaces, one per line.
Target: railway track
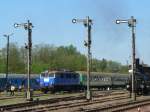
{"x":67,"y":102}
{"x":132,"y":105}
{"x":19,"y":96}
{"x":121,"y":106}
{"x":22,"y":95}
{"x":60,"y":107}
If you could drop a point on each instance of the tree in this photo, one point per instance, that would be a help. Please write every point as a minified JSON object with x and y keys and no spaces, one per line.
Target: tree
{"x":45,"y":56}
{"x":16,"y":64}
{"x":103,"y":65}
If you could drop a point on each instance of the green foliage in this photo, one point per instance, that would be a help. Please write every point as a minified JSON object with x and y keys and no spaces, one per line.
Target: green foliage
{"x":45,"y":56}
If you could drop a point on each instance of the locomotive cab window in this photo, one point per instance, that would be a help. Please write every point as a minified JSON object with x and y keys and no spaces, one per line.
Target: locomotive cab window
{"x":51,"y":75}
{"x":42,"y":74}
{"x":60,"y":75}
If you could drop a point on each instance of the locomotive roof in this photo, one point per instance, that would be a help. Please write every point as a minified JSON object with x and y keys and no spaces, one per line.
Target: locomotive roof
{"x":62,"y":72}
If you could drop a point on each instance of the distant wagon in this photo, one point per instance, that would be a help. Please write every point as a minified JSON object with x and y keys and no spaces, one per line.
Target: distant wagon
{"x":19,"y":80}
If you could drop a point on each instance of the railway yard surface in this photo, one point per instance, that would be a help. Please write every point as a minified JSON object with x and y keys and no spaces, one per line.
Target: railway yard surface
{"x":140,"y":109}
{"x":102,"y":101}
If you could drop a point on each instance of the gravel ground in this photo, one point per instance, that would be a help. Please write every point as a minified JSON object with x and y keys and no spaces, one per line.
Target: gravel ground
{"x":48,"y":96}
{"x":19,"y":97}
{"x":140,"y":109}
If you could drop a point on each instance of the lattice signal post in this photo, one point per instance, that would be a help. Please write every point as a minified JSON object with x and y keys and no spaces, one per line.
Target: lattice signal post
{"x":132,"y":24}
{"x":28,"y":26}
{"x":87,"y":23}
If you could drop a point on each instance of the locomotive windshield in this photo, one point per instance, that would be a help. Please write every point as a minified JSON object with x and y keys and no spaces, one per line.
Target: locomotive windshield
{"x":46,"y":74}
{"x":51,"y":75}
{"x":42,"y":74}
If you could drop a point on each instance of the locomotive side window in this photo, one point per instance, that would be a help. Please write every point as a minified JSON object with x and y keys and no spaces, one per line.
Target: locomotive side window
{"x":69,"y":75}
{"x":74,"y":76}
{"x":61,"y":75}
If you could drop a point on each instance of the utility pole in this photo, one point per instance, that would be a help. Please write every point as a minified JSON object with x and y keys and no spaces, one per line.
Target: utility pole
{"x":87,"y":23}
{"x":28,"y":26}
{"x":7,"y":59}
{"x":132,"y":24}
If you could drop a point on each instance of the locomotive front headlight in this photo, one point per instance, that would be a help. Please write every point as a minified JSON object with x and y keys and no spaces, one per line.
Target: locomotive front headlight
{"x":46,"y":79}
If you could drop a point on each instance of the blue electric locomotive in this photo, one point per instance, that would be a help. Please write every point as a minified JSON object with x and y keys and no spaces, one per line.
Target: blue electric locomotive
{"x":59,"y":81}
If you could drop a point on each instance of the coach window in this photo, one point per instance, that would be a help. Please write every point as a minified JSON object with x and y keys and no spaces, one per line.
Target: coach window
{"x":96,"y":78}
{"x":106,"y":79}
{"x":99,"y":78}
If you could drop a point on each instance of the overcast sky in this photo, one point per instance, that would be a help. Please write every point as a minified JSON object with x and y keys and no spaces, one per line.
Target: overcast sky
{"x":52,"y":25}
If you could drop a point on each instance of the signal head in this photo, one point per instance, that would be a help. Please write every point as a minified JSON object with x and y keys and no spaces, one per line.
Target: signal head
{"x":5,"y":35}
{"x":74,"y":20}
{"x":16,"y":25}
{"x":117,"y":21}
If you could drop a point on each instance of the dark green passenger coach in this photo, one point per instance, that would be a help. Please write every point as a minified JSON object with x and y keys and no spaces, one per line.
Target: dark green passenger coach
{"x":104,"y":80}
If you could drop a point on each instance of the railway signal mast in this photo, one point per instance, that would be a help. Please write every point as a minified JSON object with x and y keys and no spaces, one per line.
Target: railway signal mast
{"x":87,"y":23}
{"x":131,"y":23}
{"x":28,"y":26}
{"x":7,"y":59}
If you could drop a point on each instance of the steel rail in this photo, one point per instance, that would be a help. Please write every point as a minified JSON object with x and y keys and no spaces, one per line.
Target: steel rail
{"x":120,"y":107}
{"x":41,"y":108}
